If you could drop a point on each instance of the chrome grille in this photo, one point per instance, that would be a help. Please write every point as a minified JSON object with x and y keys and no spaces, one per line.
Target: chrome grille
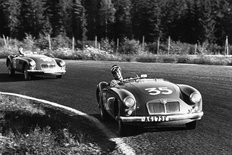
{"x":159,"y":107}
{"x":156,"y":107}
{"x":172,"y":107}
{"x":45,"y":66}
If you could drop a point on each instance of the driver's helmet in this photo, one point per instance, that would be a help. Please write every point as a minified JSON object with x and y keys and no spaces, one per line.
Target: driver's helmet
{"x":116,"y":71}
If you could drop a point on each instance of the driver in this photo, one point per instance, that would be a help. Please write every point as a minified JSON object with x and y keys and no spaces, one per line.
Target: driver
{"x":117,"y":74}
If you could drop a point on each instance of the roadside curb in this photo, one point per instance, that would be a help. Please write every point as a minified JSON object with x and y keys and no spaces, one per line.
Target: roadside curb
{"x":124,"y":148}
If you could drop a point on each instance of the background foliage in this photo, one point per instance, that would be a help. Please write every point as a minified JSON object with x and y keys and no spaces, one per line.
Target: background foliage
{"x":183,"y":20}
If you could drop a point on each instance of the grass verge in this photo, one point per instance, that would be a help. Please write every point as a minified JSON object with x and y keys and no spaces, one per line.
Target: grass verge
{"x":30,"y":127}
{"x":188,"y":59}
{"x":91,"y":53}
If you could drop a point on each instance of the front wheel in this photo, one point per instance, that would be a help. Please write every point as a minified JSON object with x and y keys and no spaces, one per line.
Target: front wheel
{"x":123,"y":128}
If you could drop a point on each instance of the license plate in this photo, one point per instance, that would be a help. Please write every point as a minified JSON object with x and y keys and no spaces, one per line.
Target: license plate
{"x":156,"y":119}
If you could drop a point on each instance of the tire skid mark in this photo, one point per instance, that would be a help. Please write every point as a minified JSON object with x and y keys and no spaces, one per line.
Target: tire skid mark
{"x":121,"y":145}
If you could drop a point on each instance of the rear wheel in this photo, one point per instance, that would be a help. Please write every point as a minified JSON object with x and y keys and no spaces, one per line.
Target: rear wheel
{"x":191,"y":125}
{"x":58,"y":76}
{"x":26,"y":75}
{"x":11,"y":71}
{"x":104,"y":115}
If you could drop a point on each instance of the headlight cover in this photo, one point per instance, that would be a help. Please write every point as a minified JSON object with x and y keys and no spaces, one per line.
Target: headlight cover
{"x":129,"y":102}
{"x":61,"y":63}
{"x":195,"y":97}
{"x":32,"y":63}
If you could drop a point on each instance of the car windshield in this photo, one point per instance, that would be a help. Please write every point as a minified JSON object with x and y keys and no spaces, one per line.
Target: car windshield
{"x":131,"y":79}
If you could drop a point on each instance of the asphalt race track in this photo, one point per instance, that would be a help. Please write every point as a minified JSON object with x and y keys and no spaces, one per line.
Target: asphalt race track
{"x":76,"y":89}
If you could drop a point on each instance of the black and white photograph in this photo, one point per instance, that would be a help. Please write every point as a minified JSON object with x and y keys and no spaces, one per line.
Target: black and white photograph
{"x":115,"y":77}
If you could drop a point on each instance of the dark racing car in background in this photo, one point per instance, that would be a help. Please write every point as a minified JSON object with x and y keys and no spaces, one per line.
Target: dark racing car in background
{"x":35,"y":64}
{"x":149,"y":102}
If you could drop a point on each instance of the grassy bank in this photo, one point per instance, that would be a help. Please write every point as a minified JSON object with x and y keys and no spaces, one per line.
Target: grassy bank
{"x":29,"y":127}
{"x":189,"y":59}
{"x":91,"y":53}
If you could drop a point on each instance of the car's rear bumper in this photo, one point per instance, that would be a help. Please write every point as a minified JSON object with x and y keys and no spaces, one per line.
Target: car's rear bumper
{"x":169,"y":119}
{"x":48,"y":72}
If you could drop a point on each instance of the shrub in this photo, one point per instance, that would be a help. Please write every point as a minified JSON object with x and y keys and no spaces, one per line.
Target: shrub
{"x":129,"y":47}
{"x":215,"y":49}
{"x":106,"y":45}
{"x":147,"y":58}
{"x":151,"y":47}
{"x":183,"y":59}
{"x":29,"y":42}
{"x":42,"y":42}
{"x":168,"y":59}
{"x":61,"y":41}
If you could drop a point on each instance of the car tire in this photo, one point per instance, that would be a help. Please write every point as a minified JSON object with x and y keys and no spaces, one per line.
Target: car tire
{"x":26,"y":75}
{"x":11,"y":71}
{"x":58,"y":76}
{"x":191,"y":125}
{"x":123,"y":128}
{"x":103,"y":113}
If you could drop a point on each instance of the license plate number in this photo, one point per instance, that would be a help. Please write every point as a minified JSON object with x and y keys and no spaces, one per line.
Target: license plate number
{"x":156,"y":119}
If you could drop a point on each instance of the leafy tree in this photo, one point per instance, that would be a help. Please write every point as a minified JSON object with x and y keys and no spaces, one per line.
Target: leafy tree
{"x":207,"y":20}
{"x":9,"y":17}
{"x":55,"y":13}
{"x":106,"y":13}
{"x":33,"y":19}
{"x":172,"y":11}
{"x":123,"y":23}
{"x":91,"y":7}
{"x":79,"y":20}
{"x":222,"y":12}
{"x":146,"y":19}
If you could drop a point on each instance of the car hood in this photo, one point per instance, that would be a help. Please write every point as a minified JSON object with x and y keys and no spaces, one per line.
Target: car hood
{"x":145,"y":90}
{"x":41,"y":59}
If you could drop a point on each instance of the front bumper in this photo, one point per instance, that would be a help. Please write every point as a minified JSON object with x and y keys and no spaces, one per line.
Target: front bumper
{"x":164,"y":119}
{"x":49,"y":72}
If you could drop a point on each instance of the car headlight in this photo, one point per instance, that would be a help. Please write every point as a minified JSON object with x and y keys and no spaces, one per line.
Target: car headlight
{"x":61,"y":63}
{"x":195,"y":97}
{"x":32,"y":63}
{"x":129,"y":102}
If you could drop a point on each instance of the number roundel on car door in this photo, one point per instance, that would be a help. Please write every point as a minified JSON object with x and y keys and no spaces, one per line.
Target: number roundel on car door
{"x":159,"y":90}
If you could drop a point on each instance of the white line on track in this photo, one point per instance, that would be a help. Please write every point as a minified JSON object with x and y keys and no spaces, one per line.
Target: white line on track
{"x":125,"y":149}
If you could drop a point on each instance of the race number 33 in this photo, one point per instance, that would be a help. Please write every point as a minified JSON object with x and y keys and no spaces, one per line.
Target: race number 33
{"x":159,"y":90}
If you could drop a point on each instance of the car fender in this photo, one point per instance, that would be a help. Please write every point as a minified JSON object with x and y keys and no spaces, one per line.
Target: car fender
{"x":187,"y":90}
{"x":99,"y":89}
{"x":27,"y":60}
{"x":122,"y":93}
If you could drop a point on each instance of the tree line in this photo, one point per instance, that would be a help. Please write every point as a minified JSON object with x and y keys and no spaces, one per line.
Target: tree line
{"x":191,"y":21}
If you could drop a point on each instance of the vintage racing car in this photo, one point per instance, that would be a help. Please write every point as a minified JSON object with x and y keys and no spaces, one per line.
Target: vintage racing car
{"x":35,"y":64}
{"x":149,"y":102}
